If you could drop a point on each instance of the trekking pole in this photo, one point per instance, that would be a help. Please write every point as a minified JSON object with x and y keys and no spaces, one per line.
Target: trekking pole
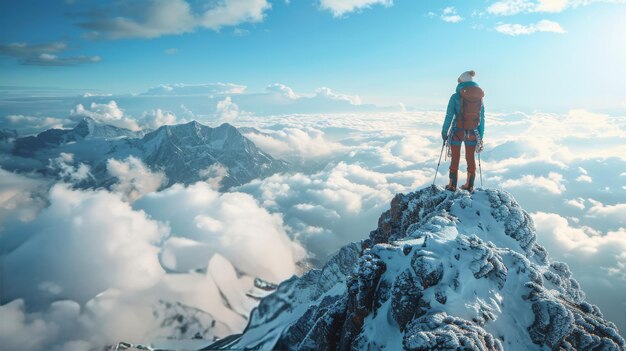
{"x":438,"y":163}
{"x":480,"y":170}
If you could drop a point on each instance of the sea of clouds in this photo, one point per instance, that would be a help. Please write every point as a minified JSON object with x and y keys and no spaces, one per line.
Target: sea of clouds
{"x":85,"y":268}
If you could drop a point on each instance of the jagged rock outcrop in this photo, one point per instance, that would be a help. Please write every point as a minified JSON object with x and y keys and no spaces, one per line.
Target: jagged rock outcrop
{"x":443,"y":271}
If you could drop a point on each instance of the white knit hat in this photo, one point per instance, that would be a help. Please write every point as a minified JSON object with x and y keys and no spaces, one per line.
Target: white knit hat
{"x":467,"y":76}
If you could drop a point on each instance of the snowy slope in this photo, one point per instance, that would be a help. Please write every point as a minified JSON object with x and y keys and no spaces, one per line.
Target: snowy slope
{"x":442,"y":271}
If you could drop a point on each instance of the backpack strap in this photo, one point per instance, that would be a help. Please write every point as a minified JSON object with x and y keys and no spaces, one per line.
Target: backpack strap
{"x":461,"y":116}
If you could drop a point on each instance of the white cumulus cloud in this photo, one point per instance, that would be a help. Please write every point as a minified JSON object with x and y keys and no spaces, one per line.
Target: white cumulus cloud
{"x":32,"y":124}
{"x":227,"y":110}
{"x":553,"y":183}
{"x":157,"y":118}
{"x":83,"y":243}
{"x":64,"y":165}
{"x":134,"y":179}
{"x":616,"y":212}
{"x":449,"y":14}
{"x":306,"y":143}
{"x":21,"y":197}
{"x":232,"y":224}
{"x":578,"y":203}
{"x":214,"y":174}
{"x":89,"y":270}
{"x":328,"y":93}
{"x":282,"y":90}
{"x":338,"y":205}
{"x":108,"y":113}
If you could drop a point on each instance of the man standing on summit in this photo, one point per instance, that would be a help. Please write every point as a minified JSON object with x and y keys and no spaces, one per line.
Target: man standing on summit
{"x":464,"y":123}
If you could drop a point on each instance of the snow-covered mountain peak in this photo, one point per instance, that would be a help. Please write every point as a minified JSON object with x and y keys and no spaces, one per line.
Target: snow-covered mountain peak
{"x":443,"y":271}
{"x":86,"y":123}
{"x":195,"y":133}
{"x":442,"y":216}
{"x":194,"y":147}
{"x":187,"y":153}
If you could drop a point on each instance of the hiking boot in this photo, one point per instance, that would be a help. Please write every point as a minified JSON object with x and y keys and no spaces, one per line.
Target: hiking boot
{"x":469,"y":186}
{"x":453,"y":180}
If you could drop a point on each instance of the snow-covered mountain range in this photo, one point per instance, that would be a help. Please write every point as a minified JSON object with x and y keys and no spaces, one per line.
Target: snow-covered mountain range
{"x":443,"y":271}
{"x":183,"y":152}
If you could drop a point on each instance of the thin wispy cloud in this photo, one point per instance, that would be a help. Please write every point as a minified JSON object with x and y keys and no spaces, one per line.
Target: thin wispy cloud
{"x":182,"y":89}
{"x":543,"y":26}
{"x":514,"y":7}
{"x":340,"y":8}
{"x":25,"y":50}
{"x":54,"y":60}
{"x":510,"y":7}
{"x":45,"y":54}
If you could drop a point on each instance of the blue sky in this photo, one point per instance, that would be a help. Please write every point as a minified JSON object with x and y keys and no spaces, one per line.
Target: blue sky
{"x":386,"y":53}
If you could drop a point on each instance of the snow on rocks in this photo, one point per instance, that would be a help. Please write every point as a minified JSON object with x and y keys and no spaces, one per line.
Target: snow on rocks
{"x":443,"y":271}
{"x":439,"y":331}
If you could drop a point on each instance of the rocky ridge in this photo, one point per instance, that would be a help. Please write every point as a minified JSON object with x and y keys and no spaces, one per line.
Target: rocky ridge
{"x":443,"y":271}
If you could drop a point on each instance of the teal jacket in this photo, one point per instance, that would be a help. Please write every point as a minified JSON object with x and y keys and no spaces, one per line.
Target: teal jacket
{"x":454,"y":109}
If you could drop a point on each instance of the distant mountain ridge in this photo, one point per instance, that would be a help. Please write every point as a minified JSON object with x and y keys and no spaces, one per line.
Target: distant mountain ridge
{"x":86,"y":128}
{"x":183,"y":152}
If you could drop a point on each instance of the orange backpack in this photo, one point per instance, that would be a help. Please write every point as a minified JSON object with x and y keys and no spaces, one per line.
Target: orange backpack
{"x":471,"y":104}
